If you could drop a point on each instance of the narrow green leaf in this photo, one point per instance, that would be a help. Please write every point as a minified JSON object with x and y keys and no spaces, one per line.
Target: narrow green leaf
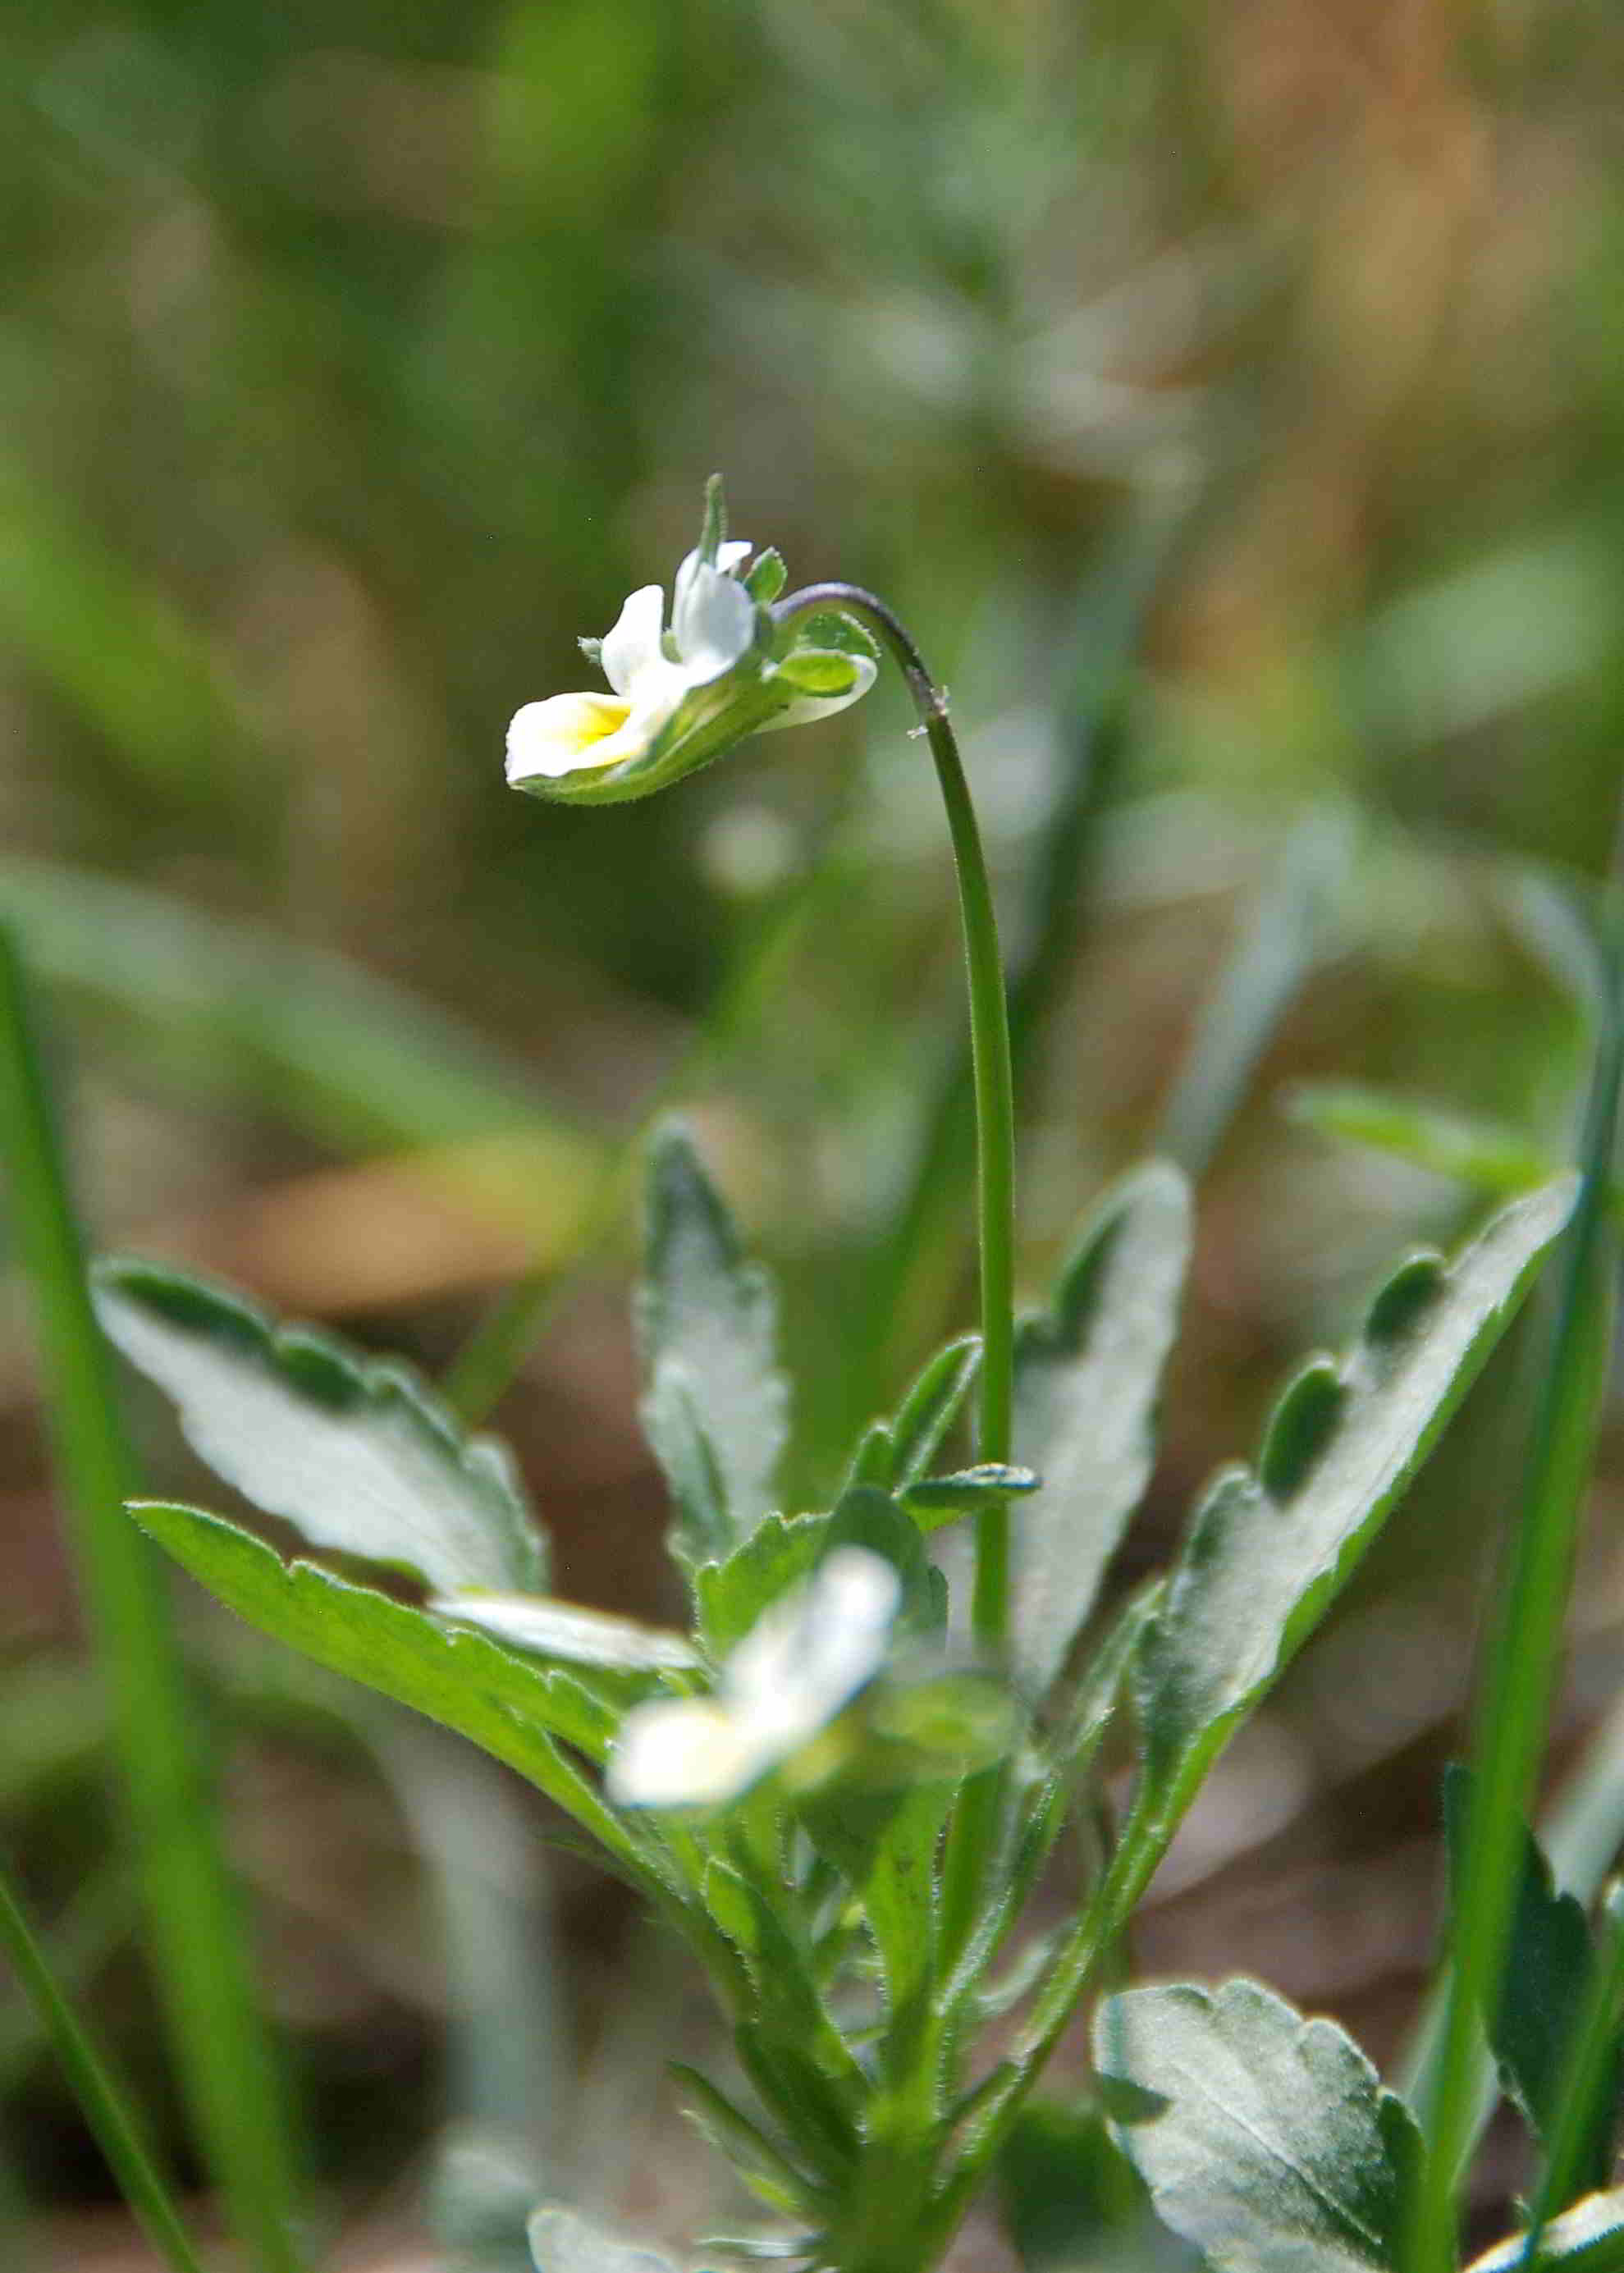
{"x":937,"y":1500}
{"x":1260,"y":1565}
{"x":706,"y":1327}
{"x":504,"y":1701}
{"x":895,"y":1454}
{"x":761,"y":2161}
{"x":930,"y":1408}
{"x":357,"y":1453}
{"x":1086,"y":1373}
{"x":1481,"y":1153}
{"x":1266,"y":2139}
{"x":105,"y":2110}
{"x":1550,"y":1955}
{"x":1586,"y":2239}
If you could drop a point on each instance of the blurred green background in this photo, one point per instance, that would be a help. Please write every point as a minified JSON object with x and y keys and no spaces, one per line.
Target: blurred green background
{"x":1229,"y":397}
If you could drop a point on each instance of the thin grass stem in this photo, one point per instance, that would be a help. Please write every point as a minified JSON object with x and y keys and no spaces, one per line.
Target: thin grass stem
{"x":1520,"y":1664}
{"x":103,"y":2102}
{"x":203,"y":1971}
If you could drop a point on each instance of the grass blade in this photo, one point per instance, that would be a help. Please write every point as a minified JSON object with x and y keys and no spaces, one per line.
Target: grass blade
{"x":104,"y":2103}
{"x":1521,"y":1662}
{"x":200,"y":1955}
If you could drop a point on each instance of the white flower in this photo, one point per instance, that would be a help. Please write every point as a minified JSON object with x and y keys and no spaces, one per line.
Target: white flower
{"x":681,"y":696}
{"x":802,"y":1663}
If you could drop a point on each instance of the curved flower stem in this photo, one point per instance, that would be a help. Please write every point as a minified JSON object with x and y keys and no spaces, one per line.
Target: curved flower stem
{"x":995,"y":1104}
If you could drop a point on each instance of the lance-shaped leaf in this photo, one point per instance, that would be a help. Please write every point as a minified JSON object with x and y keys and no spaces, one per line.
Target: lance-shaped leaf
{"x":1265,"y":2139}
{"x":1086,"y":1380}
{"x":356,"y":1453}
{"x":1586,"y":2239}
{"x":1549,"y":1958}
{"x":509,"y":1705}
{"x":715,"y":1406}
{"x":896,"y":1454}
{"x":1269,"y":1546}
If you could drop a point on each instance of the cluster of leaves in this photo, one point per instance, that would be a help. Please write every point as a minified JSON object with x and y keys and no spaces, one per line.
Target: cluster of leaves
{"x":859,"y":1951}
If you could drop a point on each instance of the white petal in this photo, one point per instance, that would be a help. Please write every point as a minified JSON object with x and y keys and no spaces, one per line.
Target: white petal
{"x":563,"y":735}
{"x":806,"y":708}
{"x":713,"y":618}
{"x":733,"y":554}
{"x":695,"y":1754}
{"x":810,"y":1654}
{"x":634,"y":645}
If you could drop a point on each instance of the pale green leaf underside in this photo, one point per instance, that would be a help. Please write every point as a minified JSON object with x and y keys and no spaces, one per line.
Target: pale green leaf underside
{"x":1268,"y":1547}
{"x":1086,"y":1380}
{"x":358,"y":1455}
{"x":1265,"y":2139}
{"x":716,"y":1406}
{"x":536,"y":1623}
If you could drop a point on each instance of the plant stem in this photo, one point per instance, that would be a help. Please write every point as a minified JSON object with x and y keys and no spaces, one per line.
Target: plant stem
{"x":994,"y":1083}
{"x":203,"y":1971}
{"x":1521,"y":1662}
{"x":972,"y":1835}
{"x":104,"y":2103}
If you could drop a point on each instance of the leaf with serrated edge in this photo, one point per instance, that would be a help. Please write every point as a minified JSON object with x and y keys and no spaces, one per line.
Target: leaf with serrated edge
{"x":536,"y":1623}
{"x":706,"y":1328}
{"x":1087,"y":1375}
{"x":1266,"y":2138}
{"x":1260,"y":1564}
{"x":356,"y":1454}
{"x":505,"y":1703}
{"x":732,"y":1594}
{"x":1586,"y":2239}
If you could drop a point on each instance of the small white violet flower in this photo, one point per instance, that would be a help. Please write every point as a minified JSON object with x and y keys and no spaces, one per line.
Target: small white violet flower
{"x":796,"y":1670}
{"x":681,"y":696}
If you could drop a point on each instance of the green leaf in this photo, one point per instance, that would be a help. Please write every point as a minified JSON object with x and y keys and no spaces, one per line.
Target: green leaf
{"x":937,"y":1500}
{"x":1586,"y":2239}
{"x":930,"y":1408}
{"x":1265,"y":2139}
{"x":895,"y":1454}
{"x":1268,"y":1549}
{"x":732,"y":1594}
{"x":1481,"y":1153}
{"x":357,"y":1453}
{"x":506,"y":1703}
{"x":1071,"y":2198}
{"x":1086,"y":1381}
{"x":715,"y":1406}
{"x":1550,"y":1955}
{"x":563,"y":2242}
